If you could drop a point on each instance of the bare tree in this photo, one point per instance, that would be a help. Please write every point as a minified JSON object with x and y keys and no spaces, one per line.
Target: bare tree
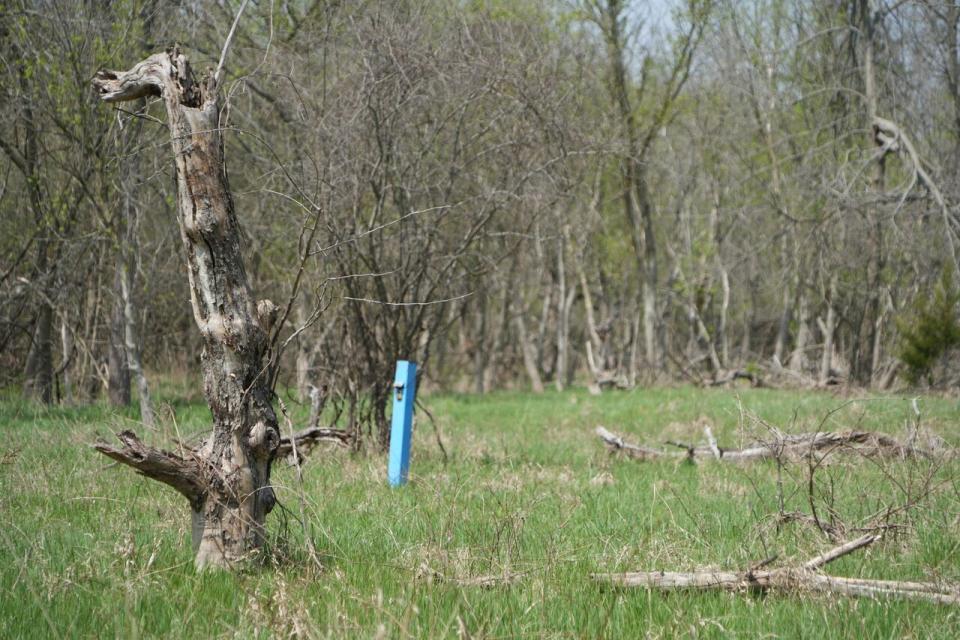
{"x":611,"y":16}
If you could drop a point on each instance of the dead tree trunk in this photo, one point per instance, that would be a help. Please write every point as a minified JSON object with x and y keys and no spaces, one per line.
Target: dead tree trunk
{"x":227,"y":480}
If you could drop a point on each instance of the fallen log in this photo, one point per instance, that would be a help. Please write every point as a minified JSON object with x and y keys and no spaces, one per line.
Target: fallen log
{"x":490,"y":581}
{"x":785,"y":446}
{"x":730,"y":377}
{"x":308,"y":438}
{"x":805,"y":577}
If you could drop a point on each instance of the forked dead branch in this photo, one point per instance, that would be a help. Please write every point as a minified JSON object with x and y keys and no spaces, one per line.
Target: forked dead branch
{"x":803,"y":577}
{"x":785,"y":446}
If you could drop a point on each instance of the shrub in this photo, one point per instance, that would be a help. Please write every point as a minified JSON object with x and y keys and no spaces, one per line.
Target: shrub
{"x":931,"y":332}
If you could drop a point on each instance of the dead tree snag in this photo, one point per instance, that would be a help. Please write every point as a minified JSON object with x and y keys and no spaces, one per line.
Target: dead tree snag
{"x":227,"y":480}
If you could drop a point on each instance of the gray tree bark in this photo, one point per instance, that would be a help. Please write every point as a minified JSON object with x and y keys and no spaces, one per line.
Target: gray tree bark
{"x":227,"y":480}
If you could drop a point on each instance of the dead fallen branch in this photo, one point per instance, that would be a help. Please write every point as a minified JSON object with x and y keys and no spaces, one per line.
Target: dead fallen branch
{"x":308,"y":438}
{"x":805,"y":577}
{"x":484,"y":582}
{"x":785,"y":446}
{"x":730,"y":377}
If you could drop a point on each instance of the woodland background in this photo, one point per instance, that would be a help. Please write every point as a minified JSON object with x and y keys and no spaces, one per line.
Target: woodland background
{"x":513,"y":194}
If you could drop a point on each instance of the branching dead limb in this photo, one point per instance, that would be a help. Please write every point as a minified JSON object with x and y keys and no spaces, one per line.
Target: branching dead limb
{"x":308,"y":438}
{"x":187,"y":473}
{"x":804,"y":577}
{"x":785,"y":446}
{"x":484,"y":581}
{"x":183,"y":474}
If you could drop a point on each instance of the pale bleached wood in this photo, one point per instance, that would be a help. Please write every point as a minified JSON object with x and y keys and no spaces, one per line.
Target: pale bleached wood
{"x":790,"y":579}
{"x":789,"y":446}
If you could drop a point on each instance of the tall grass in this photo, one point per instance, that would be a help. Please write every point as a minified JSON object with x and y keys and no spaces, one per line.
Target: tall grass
{"x":88,"y":549}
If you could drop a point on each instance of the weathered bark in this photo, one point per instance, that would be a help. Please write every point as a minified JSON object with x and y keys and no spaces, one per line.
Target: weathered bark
{"x":229,"y":476}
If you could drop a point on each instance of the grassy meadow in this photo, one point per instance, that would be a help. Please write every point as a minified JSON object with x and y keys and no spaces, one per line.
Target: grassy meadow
{"x":89,"y":549}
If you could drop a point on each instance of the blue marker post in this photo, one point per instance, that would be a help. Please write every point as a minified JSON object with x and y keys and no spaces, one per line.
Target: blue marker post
{"x":404,"y":392}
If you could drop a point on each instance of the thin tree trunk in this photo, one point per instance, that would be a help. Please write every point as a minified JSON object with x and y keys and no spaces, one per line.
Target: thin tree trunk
{"x":38,"y":373}
{"x":529,"y":355}
{"x":560,"y":373}
{"x":798,"y":359}
{"x":66,"y":345}
{"x":132,"y":344}
{"x":304,"y":355}
{"x":637,"y":206}
{"x":867,"y":353}
{"x":129,"y":250}
{"x":480,"y":351}
{"x":543,"y":326}
{"x":724,"y":311}
{"x":783,"y":327}
{"x":500,"y":332}
{"x":652,"y":336}
{"x":826,"y":359}
{"x":118,"y":372}
{"x":634,"y":356}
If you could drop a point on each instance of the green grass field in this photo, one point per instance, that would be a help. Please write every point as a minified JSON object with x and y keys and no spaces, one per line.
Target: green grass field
{"x":88,"y":549}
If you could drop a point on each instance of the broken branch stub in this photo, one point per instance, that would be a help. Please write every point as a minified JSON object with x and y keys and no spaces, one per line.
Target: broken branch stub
{"x":228,"y":481}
